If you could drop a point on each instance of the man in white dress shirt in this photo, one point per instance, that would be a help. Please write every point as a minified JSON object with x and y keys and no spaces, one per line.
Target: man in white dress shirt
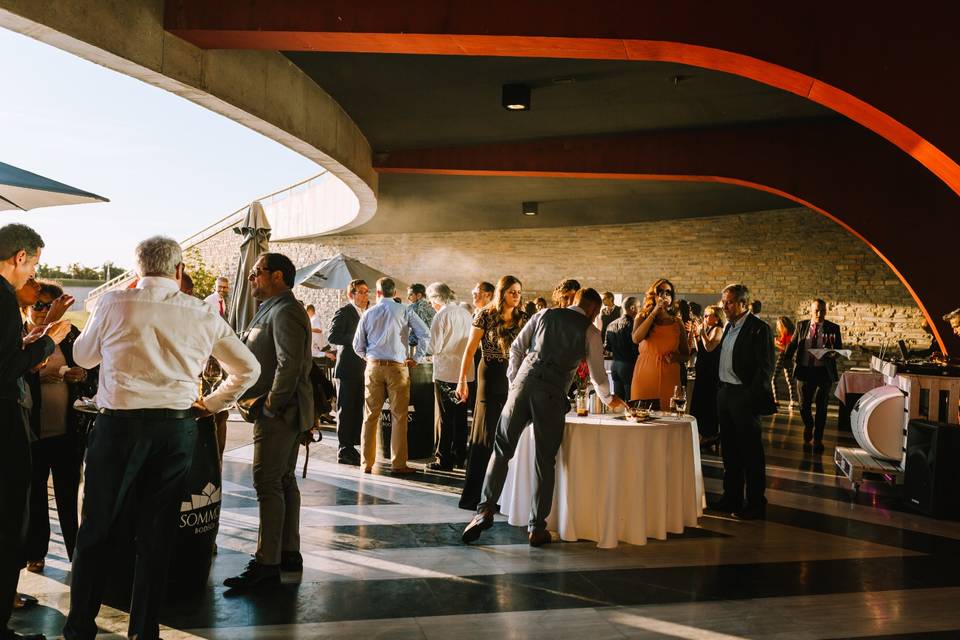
{"x":218,"y":299}
{"x":449,"y":334}
{"x":152,"y":343}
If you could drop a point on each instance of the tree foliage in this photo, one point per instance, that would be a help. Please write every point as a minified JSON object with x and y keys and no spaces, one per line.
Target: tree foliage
{"x":203,"y":279}
{"x":77,"y":271}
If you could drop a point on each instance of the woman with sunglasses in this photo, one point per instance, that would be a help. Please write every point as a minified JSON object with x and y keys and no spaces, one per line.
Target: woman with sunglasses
{"x":495,"y":327}
{"x":55,"y":423}
{"x":662,"y":341}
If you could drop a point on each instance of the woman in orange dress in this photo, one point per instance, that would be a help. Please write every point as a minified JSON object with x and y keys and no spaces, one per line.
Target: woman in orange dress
{"x":662,"y":341}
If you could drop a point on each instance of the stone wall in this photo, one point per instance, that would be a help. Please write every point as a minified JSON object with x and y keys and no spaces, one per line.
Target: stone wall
{"x":786,"y":257}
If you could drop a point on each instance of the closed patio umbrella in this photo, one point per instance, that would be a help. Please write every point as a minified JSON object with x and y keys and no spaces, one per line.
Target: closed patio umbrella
{"x":337,"y":272}
{"x":21,"y":190}
{"x":255,"y":230}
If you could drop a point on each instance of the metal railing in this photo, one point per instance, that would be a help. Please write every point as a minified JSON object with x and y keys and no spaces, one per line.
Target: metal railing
{"x":211,"y":230}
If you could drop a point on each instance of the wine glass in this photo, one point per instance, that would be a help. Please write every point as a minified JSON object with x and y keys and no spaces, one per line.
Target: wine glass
{"x":679,"y":399}
{"x":212,"y":373}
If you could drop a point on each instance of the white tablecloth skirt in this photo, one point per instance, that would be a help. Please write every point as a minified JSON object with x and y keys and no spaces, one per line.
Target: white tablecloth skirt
{"x":615,"y":481}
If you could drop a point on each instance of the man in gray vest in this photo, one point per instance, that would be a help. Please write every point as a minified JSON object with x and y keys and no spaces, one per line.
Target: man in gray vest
{"x":551,"y":346}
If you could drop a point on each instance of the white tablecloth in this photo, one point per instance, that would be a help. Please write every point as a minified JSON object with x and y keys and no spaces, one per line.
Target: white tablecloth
{"x":616,"y":480}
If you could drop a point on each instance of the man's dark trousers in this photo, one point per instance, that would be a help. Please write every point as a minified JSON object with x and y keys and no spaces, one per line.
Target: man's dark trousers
{"x":622,"y":374}
{"x":349,"y":412}
{"x":14,"y":494}
{"x":815,"y":386}
{"x":741,"y":447}
{"x":451,"y":418}
{"x":537,"y":400}
{"x":145,"y":460}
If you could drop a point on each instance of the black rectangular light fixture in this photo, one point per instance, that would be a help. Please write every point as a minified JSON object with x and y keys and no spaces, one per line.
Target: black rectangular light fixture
{"x":530,"y":208}
{"x":516,"y":97}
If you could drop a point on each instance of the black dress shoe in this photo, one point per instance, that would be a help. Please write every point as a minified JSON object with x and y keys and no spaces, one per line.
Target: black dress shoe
{"x":818,"y":446}
{"x":439,"y":466}
{"x":480,"y":523}
{"x":539,"y":537}
{"x":351,"y":461}
{"x":724,"y":504}
{"x":291,"y":561}
{"x":255,"y":575}
{"x":10,"y":634}
{"x":752,"y":513}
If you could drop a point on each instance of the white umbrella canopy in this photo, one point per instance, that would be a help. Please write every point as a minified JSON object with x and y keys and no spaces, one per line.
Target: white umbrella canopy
{"x":337,"y":272}
{"x":21,"y":190}
{"x":255,"y":230}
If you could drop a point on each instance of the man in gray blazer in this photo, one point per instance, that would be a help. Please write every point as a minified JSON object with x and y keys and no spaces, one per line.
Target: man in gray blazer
{"x":280,"y":405}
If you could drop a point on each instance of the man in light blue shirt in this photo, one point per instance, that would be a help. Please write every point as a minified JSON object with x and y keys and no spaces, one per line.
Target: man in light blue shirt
{"x":380,"y":341}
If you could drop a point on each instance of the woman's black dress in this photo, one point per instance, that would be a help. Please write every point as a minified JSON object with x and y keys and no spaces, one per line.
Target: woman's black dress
{"x":703,"y":405}
{"x":492,"y":389}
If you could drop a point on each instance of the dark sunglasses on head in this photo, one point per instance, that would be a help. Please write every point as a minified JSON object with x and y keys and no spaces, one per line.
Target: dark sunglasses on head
{"x":41,"y":306}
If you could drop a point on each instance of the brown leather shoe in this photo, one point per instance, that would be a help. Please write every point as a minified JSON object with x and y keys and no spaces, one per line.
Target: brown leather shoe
{"x":403,"y":471}
{"x":539,"y":537}
{"x":368,"y":469}
{"x":36,"y":566}
{"x":480,"y":523}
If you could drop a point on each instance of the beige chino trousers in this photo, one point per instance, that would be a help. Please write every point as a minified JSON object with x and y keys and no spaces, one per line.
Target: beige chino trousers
{"x":383,"y":380}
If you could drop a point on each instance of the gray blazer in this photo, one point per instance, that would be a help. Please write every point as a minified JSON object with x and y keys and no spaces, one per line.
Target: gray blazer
{"x":280,"y":338}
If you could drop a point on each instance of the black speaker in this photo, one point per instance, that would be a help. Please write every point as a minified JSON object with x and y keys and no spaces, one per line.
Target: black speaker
{"x":932,"y":475}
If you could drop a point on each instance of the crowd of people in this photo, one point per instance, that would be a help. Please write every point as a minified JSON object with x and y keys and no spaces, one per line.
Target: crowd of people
{"x":510,"y":364}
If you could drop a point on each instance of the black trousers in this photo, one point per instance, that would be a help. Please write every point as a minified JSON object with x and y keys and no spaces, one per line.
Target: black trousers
{"x":349,"y":412}
{"x":815,"y":386}
{"x":742,"y":447}
{"x":544,"y":404}
{"x":451,"y":418}
{"x":59,"y":455}
{"x":14,"y":493}
{"x":137,"y":468}
{"x":622,"y":374}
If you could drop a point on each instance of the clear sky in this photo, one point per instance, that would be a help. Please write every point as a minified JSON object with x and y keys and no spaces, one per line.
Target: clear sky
{"x":167,"y":165}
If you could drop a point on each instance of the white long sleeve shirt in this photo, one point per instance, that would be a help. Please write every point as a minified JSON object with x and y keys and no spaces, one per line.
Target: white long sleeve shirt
{"x":449,"y":335}
{"x":598,"y":373}
{"x":152,"y":343}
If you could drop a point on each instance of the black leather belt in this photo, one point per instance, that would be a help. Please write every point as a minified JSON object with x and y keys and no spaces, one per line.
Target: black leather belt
{"x":149,"y":414}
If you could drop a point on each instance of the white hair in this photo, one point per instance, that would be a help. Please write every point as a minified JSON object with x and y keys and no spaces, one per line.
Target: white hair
{"x":440,"y":293}
{"x":223,"y":279}
{"x":158,"y":256}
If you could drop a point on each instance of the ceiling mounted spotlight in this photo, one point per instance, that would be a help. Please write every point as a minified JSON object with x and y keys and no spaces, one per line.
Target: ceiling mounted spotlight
{"x":515,"y":97}
{"x":529,"y":208}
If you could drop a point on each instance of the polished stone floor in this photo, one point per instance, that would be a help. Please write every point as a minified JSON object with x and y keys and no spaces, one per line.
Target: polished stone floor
{"x":383,"y":560}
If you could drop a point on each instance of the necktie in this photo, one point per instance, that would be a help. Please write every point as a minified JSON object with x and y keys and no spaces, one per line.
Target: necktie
{"x":221,"y":307}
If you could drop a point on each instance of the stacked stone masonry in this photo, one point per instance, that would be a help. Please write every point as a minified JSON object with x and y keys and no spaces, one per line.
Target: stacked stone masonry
{"x":786,"y":257}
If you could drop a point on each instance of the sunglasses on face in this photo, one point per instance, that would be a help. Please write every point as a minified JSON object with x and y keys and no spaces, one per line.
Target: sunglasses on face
{"x":256,"y":271}
{"x":42,"y":306}
{"x":664,"y":292}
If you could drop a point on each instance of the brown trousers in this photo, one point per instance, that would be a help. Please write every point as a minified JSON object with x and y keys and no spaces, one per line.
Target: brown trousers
{"x":383,"y":381}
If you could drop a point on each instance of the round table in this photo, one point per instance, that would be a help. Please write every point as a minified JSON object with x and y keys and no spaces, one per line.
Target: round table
{"x":616,"y":480}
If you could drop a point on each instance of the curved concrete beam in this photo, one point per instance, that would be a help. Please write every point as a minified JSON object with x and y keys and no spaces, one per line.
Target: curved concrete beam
{"x":259,"y":89}
{"x":904,"y":213}
{"x":887,"y":69}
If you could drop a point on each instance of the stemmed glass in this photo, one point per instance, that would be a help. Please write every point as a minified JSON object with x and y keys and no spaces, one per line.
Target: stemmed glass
{"x":679,"y":399}
{"x":212,"y":373}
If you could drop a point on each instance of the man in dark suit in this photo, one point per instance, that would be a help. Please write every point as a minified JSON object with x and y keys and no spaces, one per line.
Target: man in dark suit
{"x":745,"y":394}
{"x":280,"y":404}
{"x":349,"y":372}
{"x":19,"y":254}
{"x":814,"y":376}
{"x":618,"y":341}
